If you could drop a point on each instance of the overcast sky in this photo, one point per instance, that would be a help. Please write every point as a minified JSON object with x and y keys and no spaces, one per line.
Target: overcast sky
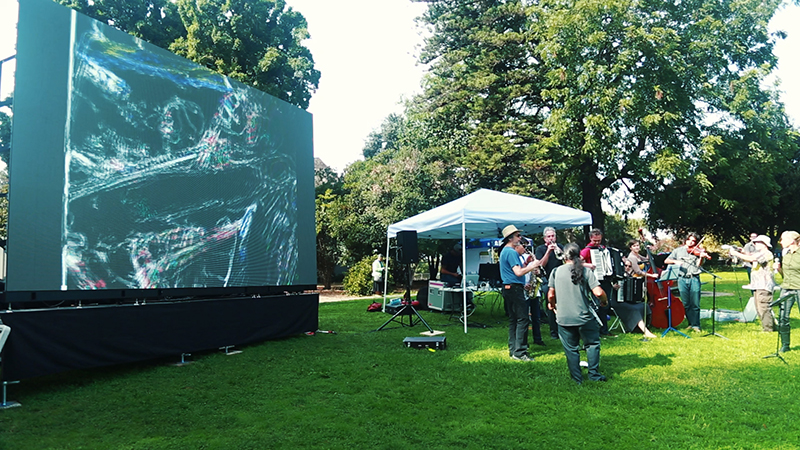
{"x":366,"y":51}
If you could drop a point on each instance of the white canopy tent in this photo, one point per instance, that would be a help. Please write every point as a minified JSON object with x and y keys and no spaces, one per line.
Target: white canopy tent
{"x":484,"y":214}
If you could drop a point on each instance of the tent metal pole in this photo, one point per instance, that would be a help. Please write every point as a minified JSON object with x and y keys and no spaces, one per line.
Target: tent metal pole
{"x":386,"y":271}
{"x":464,"y":267}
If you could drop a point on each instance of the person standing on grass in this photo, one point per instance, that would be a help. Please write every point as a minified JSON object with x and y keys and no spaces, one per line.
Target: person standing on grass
{"x":550,"y":254}
{"x":569,"y":296}
{"x":789,"y":267}
{"x":512,"y":273}
{"x":530,"y":297}
{"x":378,"y":270}
{"x":688,"y":258}
{"x":761,"y":281}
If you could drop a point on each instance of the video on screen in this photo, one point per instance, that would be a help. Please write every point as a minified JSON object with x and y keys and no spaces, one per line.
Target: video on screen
{"x":175,"y":176}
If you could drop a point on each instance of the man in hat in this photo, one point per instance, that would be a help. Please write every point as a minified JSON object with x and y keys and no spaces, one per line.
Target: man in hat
{"x":761,"y":280}
{"x":790,"y":288}
{"x":512,"y":273}
{"x":451,"y":262}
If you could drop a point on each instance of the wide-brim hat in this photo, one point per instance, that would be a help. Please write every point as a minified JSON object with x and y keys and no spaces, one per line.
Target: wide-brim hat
{"x":509,"y":230}
{"x":763,"y":239}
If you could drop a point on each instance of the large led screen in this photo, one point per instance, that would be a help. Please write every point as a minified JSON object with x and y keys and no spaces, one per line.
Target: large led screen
{"x":135,"y":169}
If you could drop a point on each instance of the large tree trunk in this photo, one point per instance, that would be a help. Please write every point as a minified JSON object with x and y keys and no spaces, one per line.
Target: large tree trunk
{"x":592,"y":193}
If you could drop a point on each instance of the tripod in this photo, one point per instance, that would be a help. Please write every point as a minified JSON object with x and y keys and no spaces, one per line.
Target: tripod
{"x":670,"y":274}
{"x":713,"y":305}
{"x":407,"y":309}
{"x":782,"y":302}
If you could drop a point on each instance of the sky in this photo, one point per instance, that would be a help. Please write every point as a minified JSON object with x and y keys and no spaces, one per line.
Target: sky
{"x":367,"y":53}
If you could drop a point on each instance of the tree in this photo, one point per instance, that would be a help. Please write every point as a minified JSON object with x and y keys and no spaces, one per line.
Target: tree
{"x":5,"y":136}
{"x":155,"y":21}
{"x":388,"y":137}
{"x":328,"y":249}
{"x":565,"y":100}
{"x":257,"y":42}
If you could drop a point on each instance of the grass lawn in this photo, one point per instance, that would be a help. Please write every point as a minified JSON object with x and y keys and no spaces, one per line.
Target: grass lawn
{"x":364,"y":389}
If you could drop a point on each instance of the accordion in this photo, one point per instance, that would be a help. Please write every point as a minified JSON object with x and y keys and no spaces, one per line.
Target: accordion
{"x":608,"y":263}
{"x":632,"y":290}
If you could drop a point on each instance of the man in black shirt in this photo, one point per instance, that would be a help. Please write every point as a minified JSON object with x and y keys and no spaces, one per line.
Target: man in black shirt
{"x":548,"y":254}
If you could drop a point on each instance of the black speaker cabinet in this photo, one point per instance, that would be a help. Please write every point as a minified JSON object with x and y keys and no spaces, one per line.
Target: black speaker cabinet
{"x":407,"y":251}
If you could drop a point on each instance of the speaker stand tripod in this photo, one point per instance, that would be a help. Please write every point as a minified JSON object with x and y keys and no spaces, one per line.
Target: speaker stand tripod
{"x":407,"y":309}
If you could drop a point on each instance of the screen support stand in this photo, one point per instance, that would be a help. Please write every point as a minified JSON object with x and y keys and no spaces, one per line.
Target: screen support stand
{"x":10,"y":403}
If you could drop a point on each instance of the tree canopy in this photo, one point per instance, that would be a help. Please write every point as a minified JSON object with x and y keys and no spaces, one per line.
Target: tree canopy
{"x":257,"y":42}
{"x":569,"y":100}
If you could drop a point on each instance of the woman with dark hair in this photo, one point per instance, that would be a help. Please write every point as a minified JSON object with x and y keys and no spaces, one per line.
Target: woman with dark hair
{"x":637,"y":260}
{"x":569,"y":296}
{"x":631,"y":314}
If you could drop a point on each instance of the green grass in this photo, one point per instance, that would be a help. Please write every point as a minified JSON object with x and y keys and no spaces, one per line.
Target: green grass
{"x":363,"y":389}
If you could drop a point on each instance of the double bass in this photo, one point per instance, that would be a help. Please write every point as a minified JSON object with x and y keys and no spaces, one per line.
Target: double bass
{"x":659,"y":296}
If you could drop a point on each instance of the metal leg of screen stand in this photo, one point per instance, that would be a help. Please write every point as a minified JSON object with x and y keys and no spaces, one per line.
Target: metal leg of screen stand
{"x":8,"y":403}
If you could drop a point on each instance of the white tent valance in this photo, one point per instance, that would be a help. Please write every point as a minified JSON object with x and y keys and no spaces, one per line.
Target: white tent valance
{"x":484,"y":213}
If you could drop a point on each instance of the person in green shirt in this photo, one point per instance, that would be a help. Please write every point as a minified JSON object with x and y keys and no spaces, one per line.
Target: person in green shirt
{"x":790,"y":288}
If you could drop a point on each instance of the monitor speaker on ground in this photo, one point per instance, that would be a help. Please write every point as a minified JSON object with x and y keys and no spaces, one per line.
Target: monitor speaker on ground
{"x":407,"y":251}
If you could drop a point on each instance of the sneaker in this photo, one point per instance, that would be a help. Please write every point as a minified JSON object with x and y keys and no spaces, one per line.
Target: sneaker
{"x":522,"y":358}
{"x":540,"y":343}
{"x":599,"y":378}
{"x":584,"y":364}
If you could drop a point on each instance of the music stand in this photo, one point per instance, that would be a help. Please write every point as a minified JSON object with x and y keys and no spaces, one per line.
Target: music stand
{"x":670,"y":274}
{"x":781,"y":301}
{"x":713,"y":306}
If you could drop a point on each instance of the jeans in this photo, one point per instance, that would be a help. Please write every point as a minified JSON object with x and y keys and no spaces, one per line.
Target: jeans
{"x":514,"y":299}
{"x":790,"y":297}
{"x":536,"y":325}
{"x":570,"y":339}
{"x":551,"y":315}
{"x":690,"y":296}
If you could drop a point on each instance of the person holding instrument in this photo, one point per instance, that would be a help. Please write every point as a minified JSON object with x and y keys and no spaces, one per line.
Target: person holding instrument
{"x":688,"y":258}
{"x":551,"y":255}
{"x":630,"y":313}
{"x":790,"y":288}
{"x":637,"y":260}
{"x":512,"y":273}
{"x":570,"y":287}
{"x":595,"y":242}
{"x":761,"y":281}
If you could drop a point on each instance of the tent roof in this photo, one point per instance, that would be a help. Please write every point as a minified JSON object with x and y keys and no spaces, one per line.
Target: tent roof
{"x":485,"y":213}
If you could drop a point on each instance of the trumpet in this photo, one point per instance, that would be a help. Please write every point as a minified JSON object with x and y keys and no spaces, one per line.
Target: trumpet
{"x":559,"y":254}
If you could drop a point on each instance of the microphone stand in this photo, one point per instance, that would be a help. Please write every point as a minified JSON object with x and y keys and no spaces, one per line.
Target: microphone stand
{"x":713,"y":305}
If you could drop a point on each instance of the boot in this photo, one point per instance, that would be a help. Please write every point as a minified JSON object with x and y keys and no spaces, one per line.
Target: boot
{"x":785,"y":335}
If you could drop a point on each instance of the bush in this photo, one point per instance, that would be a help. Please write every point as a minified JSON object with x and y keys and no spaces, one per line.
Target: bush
{"x":358,"y":280}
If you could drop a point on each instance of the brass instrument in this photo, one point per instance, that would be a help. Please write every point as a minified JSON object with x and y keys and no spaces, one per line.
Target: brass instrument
{"x":559,"y":254}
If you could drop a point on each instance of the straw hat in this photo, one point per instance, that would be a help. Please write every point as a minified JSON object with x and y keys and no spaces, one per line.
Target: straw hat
{"x":509,"y":230}
{"x":763,"y":239}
